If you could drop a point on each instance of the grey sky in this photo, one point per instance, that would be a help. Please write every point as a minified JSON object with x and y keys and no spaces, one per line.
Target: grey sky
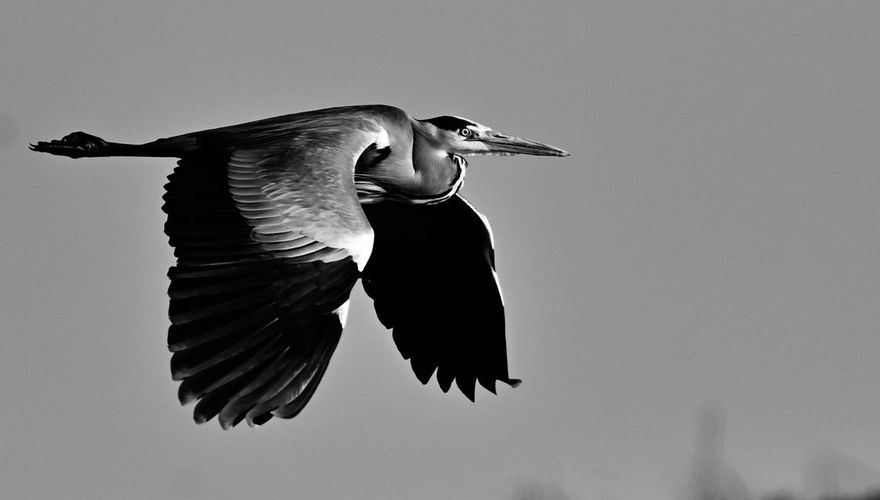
{"x":713,"y":236}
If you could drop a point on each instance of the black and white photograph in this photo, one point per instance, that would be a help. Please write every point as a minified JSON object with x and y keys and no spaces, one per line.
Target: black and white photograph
{"x":440,"y":250}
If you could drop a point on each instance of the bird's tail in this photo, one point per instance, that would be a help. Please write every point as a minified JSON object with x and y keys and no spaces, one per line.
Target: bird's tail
{"x":83,"y":145}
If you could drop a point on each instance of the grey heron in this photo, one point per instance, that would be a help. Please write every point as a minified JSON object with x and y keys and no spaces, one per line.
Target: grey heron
{"x":273,"y":222}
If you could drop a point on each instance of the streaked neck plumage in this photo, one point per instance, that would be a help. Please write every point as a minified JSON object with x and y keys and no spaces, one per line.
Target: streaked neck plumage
{"x":435,"y":174}
{"x":439,"y":173}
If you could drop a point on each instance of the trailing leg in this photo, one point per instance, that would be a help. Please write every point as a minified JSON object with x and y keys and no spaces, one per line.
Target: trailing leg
{"x":74,"y":145}
{"x":81,"y":144}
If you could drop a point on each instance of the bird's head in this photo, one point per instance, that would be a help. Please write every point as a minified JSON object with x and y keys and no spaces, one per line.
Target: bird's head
{"x":460,"y":136}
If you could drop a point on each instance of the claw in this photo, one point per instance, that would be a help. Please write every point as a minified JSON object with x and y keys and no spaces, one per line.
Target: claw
{"x":74,"y":145}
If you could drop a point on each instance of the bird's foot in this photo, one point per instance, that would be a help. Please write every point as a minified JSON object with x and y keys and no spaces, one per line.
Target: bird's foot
{"x":74,"y":145}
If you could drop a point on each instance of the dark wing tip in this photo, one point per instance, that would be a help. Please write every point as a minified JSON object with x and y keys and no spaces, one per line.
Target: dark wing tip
{"x":260,"y":420}
{"x":185,"y":395}
{"x":445,"y":378}
{"x":488,"y":383}
{"x":423,"y":368}
{"x":200,"y":418}
{"x":467,"y":385}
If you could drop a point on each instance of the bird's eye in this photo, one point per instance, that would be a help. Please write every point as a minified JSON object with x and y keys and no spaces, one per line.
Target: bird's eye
{"x":464,"y":132}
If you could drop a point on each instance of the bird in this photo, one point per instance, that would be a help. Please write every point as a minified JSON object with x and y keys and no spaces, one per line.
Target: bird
{"x":272,"y":223}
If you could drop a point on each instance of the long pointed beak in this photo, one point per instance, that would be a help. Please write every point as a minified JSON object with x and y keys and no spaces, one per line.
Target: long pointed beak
{"x":500,"y":144}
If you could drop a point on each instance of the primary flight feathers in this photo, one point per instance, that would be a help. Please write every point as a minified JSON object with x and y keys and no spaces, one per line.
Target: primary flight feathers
{"x":273,"y":222}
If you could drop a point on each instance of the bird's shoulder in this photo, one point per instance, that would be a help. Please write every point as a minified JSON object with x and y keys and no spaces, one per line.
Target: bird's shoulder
{"x":361,"y":124}
{"x":332,"y":121}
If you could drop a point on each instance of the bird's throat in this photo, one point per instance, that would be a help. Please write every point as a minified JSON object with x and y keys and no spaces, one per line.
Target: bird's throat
{"x":437,"y":174}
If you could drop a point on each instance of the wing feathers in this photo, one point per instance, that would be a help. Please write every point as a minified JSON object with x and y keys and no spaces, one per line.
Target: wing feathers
{"x":184,"y":311}
{"x":188,"y":336}
{"x":209,"y":381}
{"x":254,"y":292}
{"x":423,"y":367}
{"x":198,"y":359}
{"x":270,"y":236}
{"x":432,"y":278}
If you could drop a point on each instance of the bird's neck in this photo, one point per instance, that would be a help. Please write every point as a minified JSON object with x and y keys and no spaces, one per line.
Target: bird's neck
{"x":438,"y":174}
{"x":427,"y":174}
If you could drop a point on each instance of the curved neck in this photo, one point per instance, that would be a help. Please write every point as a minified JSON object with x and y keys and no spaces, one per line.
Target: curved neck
{"x":421,"y":172}
{"x":436,"y":170}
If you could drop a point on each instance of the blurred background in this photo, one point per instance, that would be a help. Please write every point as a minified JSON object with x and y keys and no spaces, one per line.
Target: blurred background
{"x":692,"y":296}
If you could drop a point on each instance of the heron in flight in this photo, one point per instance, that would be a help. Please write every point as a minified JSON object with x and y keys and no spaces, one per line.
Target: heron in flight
{"x":272,"y":223}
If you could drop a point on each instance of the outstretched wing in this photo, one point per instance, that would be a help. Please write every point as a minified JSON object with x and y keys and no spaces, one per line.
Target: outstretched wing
{"x":432,"y":277}
{"x":269,"y":238}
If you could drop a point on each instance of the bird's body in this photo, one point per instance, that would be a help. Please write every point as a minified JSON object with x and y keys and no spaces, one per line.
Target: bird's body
{"x":272,"y":223}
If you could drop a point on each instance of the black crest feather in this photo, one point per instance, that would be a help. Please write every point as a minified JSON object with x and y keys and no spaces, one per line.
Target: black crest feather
{"x":451,"y":123}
